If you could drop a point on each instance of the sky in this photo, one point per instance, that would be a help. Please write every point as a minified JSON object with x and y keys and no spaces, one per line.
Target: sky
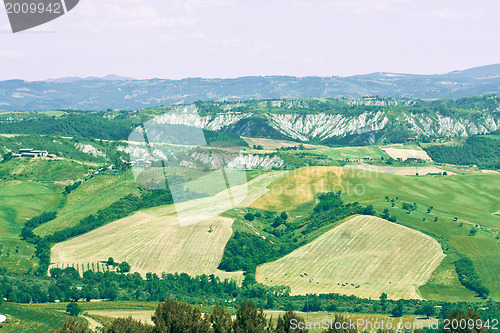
{"x":174,"y":39}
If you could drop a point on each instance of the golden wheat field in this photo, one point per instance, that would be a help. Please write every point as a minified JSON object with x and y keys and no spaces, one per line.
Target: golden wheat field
{"x":363,"y":256}
{"x":152,"y":240}
{"x":299,"y":186}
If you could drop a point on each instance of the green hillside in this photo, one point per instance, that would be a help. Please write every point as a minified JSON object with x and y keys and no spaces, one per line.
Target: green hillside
{"x":91,"y":196}
{"x":20,"y":201}
{"x":29,"y":319}
{"x":451,"y":197}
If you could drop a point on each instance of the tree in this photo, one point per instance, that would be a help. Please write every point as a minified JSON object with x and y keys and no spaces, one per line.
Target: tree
{"x":385,"y":213}
{"x":249,"y":216}
{"x":128,"y":325}
{"x":110,"y":262}
{"x":473,"y":231}
{"x":249,"y":319}
{"x":124,"y":267}
{"x":221,"y":320}
{"x":383,"y":301}
{"x":340,"y":328}
{"x":398,"y":310}
{"x":285,"y":323}
{"x":71,"y":326}
{"x":284,"y":216}
{"x":277,"y":222}
{"x":173,"y":316}
{"x":7,"y":157}
{"x":459,"y":316}
{"x":428,"y":310}
{"x":73,"y":309}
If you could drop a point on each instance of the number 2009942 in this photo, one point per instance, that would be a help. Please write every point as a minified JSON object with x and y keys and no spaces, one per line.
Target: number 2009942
{"x":32,"y":8}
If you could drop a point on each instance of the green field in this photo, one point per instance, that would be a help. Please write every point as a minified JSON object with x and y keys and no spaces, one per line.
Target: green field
{"x":451,"y":197}
{"x":90,"y":197}
{"x":38,"y":169}
{"x":350,"y":153}
{"x":20,"y":201}
{"x":32,"y":319}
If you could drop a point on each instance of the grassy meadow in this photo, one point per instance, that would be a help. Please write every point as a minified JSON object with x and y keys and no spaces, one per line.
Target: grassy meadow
{"x":20,"y":201}
{"x":32,"y":319}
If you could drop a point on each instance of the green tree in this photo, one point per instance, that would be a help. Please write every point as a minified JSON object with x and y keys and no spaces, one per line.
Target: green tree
{"x":277,"y":222}
{"x":340,"y":327}
{"x":285,"y":323}
{"x":124,"y":267}
{"x":71,"y":326}
{"x":7,"y":157}
{"x":473,"y":231}
{"x":128,"y":325}
{"x":249,"y":216}
{"x":460,"y":316}
{"x":284,"y":216}
{"x":249,"y":319}
{"x":383,"y":301}
{"x":110,"y":262}
{"x":73,"y":309}
{"x":221,"y":320}
{"x":428,"y":310}
{"x":398,"y":310}
{"x":173,"y":316}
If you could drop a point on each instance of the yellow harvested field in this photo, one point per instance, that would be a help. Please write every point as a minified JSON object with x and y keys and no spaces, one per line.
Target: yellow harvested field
{"x":405,"y":154}
{"x":365,"y":251}
{"x":299,"y":186}
{"x":154,"y":241}
{"x":142,"y":315}
{"x":401,"y":171}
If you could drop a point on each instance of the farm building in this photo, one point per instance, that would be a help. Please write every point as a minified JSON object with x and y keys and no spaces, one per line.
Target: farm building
{"x":28,"y":152}
{"x":2,"y":319}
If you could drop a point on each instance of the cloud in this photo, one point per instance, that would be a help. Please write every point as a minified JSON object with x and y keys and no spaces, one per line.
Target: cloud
{"x":11,"y":54}
{"x":132,"y":14}
{"x":451,"y":13}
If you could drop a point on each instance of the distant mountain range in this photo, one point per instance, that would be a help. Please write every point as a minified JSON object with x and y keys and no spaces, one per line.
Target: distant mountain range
{"x":124,"y":93}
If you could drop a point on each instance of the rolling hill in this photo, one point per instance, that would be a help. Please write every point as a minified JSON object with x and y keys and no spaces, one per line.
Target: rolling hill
{"x":364,"y":256}
{"x":123,"y":93}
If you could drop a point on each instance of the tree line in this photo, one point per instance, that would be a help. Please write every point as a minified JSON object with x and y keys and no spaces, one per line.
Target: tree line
{"x":245,"y":251}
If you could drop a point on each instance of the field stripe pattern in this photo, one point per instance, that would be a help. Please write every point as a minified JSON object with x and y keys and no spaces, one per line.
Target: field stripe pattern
{"x":366,"y":254}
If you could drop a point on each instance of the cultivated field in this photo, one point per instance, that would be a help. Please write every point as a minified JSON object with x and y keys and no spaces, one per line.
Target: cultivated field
{"x":153,"y":240}
{"x":30,"y":319}
{"x":313,"y":317}
{"x":20,"y":201}
{"x":472,"y":198}
{"x":402,"y":171}
{"x":299,"y":186}
{"x":405,"y":154}
{"x":142,"y":315}
{"x":90,"y":197}
{"x":352,"y":153}
{"x":366,"y":254}
{"x":271,"y":144}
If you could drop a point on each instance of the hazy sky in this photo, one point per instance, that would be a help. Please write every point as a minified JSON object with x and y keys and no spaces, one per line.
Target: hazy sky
{"x":230,"y":38}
